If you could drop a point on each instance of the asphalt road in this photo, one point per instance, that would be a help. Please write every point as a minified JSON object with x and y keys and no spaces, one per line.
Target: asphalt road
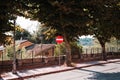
{"x":109,"y":71}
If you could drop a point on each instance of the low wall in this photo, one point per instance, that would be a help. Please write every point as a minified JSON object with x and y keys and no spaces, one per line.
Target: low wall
{"x":51,"y":61}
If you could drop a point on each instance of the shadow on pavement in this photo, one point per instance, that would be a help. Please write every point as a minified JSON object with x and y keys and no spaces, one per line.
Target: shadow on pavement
{"x":105,"y":76}
{"x":95,"y":75}
{"x":20,"y":77}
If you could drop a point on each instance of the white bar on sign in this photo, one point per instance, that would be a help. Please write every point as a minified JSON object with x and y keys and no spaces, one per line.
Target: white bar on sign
{"x":59,"y":39}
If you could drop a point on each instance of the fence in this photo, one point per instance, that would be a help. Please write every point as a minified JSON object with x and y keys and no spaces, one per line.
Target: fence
{"x":96,"y":53}
{"x":40,"y":61}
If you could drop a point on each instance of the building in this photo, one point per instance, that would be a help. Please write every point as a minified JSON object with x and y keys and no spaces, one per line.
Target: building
{"x":36,"y":49}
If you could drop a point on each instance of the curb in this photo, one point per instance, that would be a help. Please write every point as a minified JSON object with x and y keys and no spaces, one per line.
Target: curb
{"x":72,"y":68}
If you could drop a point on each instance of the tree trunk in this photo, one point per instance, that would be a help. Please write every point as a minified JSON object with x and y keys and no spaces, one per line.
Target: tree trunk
{"x":104,"y":56}
{"x":102,"y":43}
{"x":68,"y":59}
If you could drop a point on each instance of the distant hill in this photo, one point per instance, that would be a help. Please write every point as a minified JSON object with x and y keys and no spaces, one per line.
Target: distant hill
{"x":92,"y":42}
{"x":86,"y":41}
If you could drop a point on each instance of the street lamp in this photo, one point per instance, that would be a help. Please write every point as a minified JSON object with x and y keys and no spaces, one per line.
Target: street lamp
{"x":14,"y":71}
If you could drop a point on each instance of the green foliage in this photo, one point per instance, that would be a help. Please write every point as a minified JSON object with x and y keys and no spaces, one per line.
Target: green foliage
{"x":104,"y":16}
{"x":24,"y":35}
{"x":75,"y":48}
{"x":34,"y":38}
{"x":8,"y":10}
{"x":81,"y":17}
{"x":20,"y":53}
{"x":65,"y":16}
{"x":23,"y":53}
{"x":61,"y":49}
{"x":61,"y":15}
{"x":10,"y":50}
{"x":70,"y":18}
{"x":49,"y":34}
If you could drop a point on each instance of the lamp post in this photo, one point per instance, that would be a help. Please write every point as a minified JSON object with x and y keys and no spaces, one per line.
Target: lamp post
{"x":14,"y":71}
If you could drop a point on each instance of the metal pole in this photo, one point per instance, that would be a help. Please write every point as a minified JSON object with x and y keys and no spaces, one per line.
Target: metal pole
{"x":14,"y":59}
{"x":59,"y":55}
{"x":41,"y":45}
{"x":41,"y":48}
{"x":2,"y":57}
{"x":32,"y":57}
{"x":117,"y":46}
{"x":42,"y":53}
{"x":21,"y":55}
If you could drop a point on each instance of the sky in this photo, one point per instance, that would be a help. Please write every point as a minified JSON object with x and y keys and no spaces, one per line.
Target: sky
{"x":27,"y":24}
{"x":32,"y":26}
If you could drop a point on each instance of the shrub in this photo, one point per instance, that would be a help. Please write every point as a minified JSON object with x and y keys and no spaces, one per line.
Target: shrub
{"x":19,"y":53}
{"x":10,"y":50}
{"x":60,"y":48}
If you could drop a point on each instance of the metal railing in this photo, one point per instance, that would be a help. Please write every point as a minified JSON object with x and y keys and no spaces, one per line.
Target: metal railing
{"x":87,"y":54}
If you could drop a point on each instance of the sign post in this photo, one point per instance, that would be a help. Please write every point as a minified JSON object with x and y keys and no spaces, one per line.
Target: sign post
{"x":59,"y":40}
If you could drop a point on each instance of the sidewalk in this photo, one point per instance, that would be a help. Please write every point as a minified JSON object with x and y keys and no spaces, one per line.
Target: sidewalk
{"x":48,"y":70}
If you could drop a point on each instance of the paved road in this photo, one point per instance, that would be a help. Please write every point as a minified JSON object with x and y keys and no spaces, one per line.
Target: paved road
{"x":109,"y":71}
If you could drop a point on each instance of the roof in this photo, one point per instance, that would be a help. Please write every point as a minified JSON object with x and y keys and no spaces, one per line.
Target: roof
{"x":24,"y":43}
{"x":38,"y":48}
{"x":20,"y":41}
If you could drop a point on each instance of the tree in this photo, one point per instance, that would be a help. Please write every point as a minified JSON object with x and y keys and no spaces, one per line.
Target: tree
{"x":4,"y":24}
{"x":116,"y":20}
{"x":67,"y":17}
{"x":105,"y":16}
{"x":72,"y":18}
{"x":8,"y":9}
{"x":48,"y":33}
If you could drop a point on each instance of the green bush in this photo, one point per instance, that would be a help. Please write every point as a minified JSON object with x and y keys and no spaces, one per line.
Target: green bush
{"x":10,"y":50}
{"x":75,"y":48}
{"x":23,"y":53}
{"x":60,"y":48}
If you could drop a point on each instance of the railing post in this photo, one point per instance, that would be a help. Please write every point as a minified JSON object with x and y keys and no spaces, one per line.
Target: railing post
{"x":21,"y":55}
{"x":86,"y":52}
{"x":2,"y":58}
{"x":91,"y":53}
{"x":97,"y":50}
{"x":32,"y":57}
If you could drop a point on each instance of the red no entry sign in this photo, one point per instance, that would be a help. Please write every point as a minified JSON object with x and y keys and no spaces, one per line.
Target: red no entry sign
{"x":59,"y":39}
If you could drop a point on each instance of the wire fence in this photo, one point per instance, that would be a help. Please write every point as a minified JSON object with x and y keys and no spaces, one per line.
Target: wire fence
{"x":86,"y":54}
{"x":87,"y":51}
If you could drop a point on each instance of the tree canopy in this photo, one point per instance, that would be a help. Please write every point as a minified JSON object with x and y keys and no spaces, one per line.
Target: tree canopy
{"x":64,"y":15}
{"x":9,"y":10}
{"x":70,"y":18}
